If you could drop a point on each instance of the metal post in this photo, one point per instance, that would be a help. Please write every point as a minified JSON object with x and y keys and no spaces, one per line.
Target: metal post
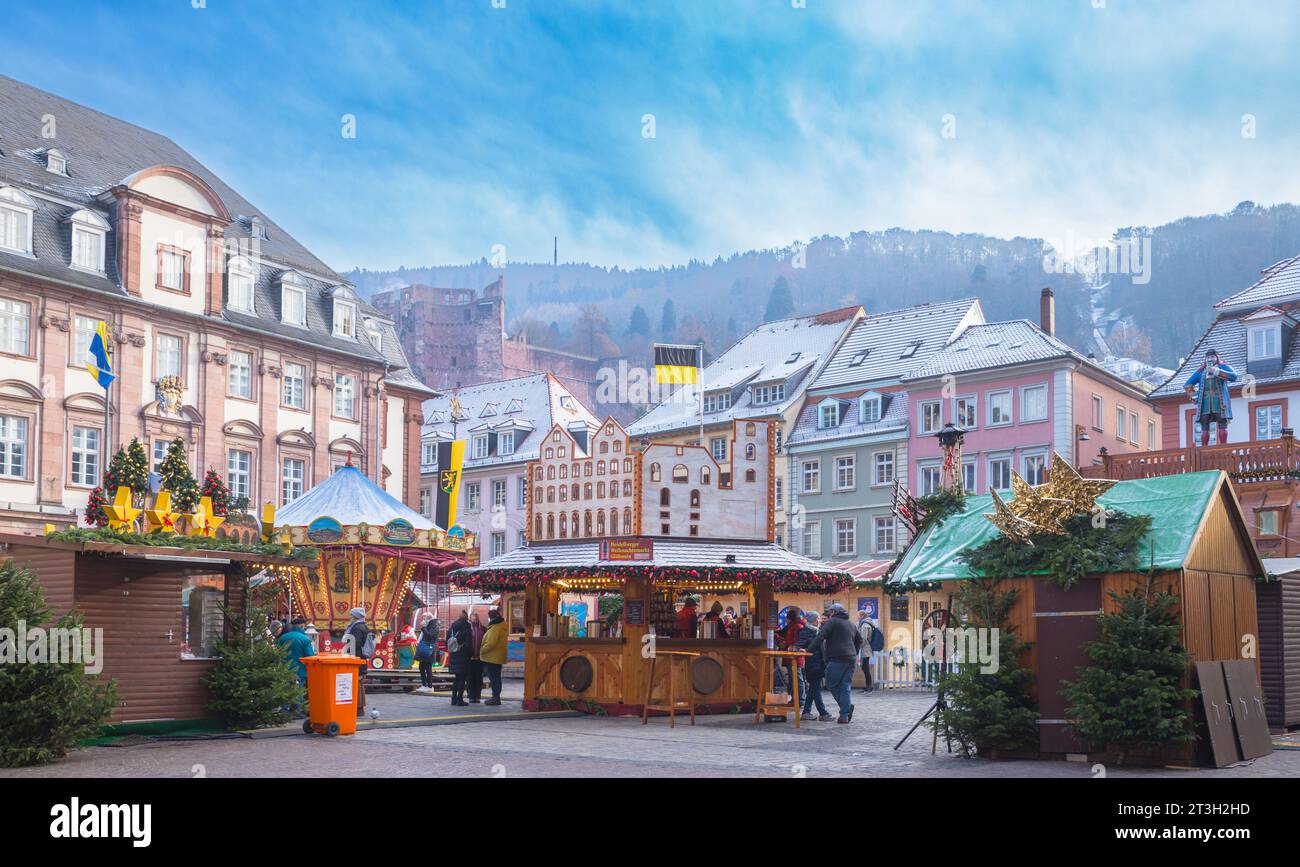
{"x":699,"y":386}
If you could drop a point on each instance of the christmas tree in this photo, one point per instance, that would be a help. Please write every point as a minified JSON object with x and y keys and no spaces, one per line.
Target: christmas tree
{"x":177,"y":478}
{"x":129,"y":468}
{"x":251,"y":684}
{"x":46,"y":708}
{"x":1131,"y":695}
{"x":215,"y":487}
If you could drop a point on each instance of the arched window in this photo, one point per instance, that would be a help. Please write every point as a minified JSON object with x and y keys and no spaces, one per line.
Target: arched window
{"x":627,"y":487}
{"x":751,"y":476}
{"x":750,"y":452}
{"x":654,"y":473}
{"x":575,"y":525}
{"x":695,"y":499}
{"x":618,"y":446}
{"x":564,"y":471}
{"x":586,"y":523}
{"x":564,"y":527}
{"x":587,"y":469}
{"x":564,"y":493}
{"x":600,"y":490}
{"x":604,"y":448}
{"x":705,"y":476}
{"x":586,"y":491}
{"x":550,"y":472}
{"x":538,"y":525}
{"x":613,"y":522}
{"x":550,"y":494}
{"x":538,"y":474}
{"x":681,"y":474}
{"x":627,"y":520}
{"x":550,"y":526}
{"x":665,"y":497}
{"x":600,"y":468}
{"x":600,"y":523}
{"x":613,"y":467}
{"x":575,"y":490}
{"x":627,"y":465}
{"x":750,"y":430}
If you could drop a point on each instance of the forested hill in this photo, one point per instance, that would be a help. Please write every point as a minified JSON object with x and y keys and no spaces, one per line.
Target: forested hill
{"x":595,"y":310}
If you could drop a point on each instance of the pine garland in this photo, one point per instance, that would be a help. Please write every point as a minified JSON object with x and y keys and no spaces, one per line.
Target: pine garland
{"x":1085,"y":548}
{"x":506,"y":580}
{"x":157,"y":540}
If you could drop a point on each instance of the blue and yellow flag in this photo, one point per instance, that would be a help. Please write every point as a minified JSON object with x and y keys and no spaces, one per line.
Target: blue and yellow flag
{"x":101,"y":369}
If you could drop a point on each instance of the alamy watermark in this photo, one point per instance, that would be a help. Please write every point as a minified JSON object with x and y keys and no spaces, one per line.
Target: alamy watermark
{"x":1129,"y":255}
{"x":969,"y":645}
{"x":54,"y":645}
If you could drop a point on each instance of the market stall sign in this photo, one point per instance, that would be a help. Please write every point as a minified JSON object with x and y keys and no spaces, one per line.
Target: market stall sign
{"x":399,"y":531}
{"x":324,"y":529}
{"x":634,"y":612}
{"x":627,"y":549}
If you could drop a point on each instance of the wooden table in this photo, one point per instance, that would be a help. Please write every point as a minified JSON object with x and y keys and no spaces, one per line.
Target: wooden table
{"x":767,"y":669}
{"x":677,"y":660}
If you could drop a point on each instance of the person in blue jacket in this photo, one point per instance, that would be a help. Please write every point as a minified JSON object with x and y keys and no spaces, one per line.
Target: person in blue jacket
{"x":1207,"y":388}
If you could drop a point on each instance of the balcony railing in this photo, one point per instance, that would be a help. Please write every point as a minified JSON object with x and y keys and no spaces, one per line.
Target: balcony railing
{"x":1254,"y":461}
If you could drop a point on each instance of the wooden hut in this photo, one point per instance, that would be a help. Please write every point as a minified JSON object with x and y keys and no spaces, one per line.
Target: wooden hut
{"x":159,"y":608}
{"x":1279,"y":641}
{"x":1198,"y":543}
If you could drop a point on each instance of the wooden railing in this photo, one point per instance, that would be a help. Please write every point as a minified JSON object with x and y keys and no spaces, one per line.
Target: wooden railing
{"x":1254,"y":461}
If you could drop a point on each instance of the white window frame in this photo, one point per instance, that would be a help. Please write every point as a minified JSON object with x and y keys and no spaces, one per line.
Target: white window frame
{"x":822,"y":421}
{"x":345,"y":319}
{"x":172,"y":267}
{"x":876,"y":465}
{"x":1271,"y":335}
{"x":56,"y":163}
{"x":887,"y":524}
{"x":923,"y":472}
{"x":922,"y":413}
{"x":480,"y":447}
{"x":506,"y":442}
{"x":292,"y":287}
{"x":1134,"y":429}
{"x":498,"y":544}
{"x":293,"y":477}
{"x":998,"y":396}
{"x":1098,"y":413}
{"x":1262,"y":432}
{"x":499,"y":493}
{"x":846,"y":474}
{"x":15,"y":326}
{"x":241,"y":286}
{"x":160,"y":356}
{"x":870,"y":400}
{"x":15,"y":436}
{"x":428,"y":456}
{"x":1121,"y":423}
{"x":972,"y":485}
{"x":845,"y":526}
{"x":16,"y":205}
{"x":84,"y":452}
{"x":718,"y":448}
{"x":971,"y":403}
{"x":239,"y":479}
{"x":990,"y":475}
{"x":1025,"y":392}
{"x":715,"y":402}
{"x":345,"y":396}
{"x":813,"y":469}
{"x":239,"y":383}
{"x":811,"y":539}
{"x":1036,"y":455}
{"x":89,"y":242}
{"x":1151,"y":434}
{"x":473,"y":496}
{"x":287,"y":391}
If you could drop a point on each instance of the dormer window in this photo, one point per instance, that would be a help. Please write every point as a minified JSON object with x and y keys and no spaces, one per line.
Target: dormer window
{"x":375,"y":333}
{"x":770,"y":393}
{"x":293,"y":299}
{"x":239,"y":285}
{"x":56,"y":163}
{"x":506,"y":443}
{"x":717,"y":401}
{"x":1265,"y":341}
{"x":88,"y":232}
{"x":345,"y":319}
{"x":256,"y":228}
{"x":828,"y":414}
{"x":869,"y":410}
{"x":16,"y":210}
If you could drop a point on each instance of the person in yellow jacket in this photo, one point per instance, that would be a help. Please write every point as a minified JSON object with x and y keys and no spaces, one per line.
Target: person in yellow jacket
{"x":492,"y":653}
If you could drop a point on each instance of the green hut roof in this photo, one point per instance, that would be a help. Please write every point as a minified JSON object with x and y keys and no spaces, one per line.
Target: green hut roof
{"x":1175,"y":503}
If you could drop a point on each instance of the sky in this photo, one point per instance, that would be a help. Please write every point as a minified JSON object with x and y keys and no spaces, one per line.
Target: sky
{"x":652,"y":133}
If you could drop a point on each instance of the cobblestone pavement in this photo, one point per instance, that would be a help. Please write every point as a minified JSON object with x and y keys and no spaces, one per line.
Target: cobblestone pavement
{"x":723,"y":745}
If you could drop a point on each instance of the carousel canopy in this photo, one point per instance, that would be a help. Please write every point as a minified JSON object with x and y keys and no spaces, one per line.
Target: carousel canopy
{"x":351,"y":499}
{"x":1175,"y":504}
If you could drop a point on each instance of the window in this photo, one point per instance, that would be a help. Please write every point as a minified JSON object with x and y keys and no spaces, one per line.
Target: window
{"x":240,"y":383}
{"x":239,"y":282}
{"x":16,"y":210}
{"x":15,"y":326}
{"x":968,"y":475}
{"x":718,"y":448}
{"x":812,"y":477}
{"x":84,"y":332}
{"x":812,"y":539}
{"x":345,"y":396}
{"x":293,"y":473}
{"x":1133,"y":433}
{"x":931,"y":415}
{"x":426,"y":502}
{"x":846,"y":475}
{"x":828,"y":414}
{"x":202,"y":621}
{"x":523,"y":491}
{"x":85,"y":456}
{"x":498,"y":544}
{"x":999,"y":407}
{"x":884,"y":469}
{"x":239,"y":473}
{"x":717,"y":402}
{"x":1264,"y":342}
{"x":780,"y":493}
{"x":167,"y":355}
{"x":859,"y":357}
{"x":1033,"y":403}
{"x":846,"y":536}
{"x":479,"y":447}
{"x":88,"y":248}
{"x":931,"y":479}
{"x":884,"y":526}
{"x":1120,"y":414}
{"x":345,"y":319}
{"x":56,"y":163}
{"x":1096,"y":412}
{"x":773,"y":393}
{"x":1268,"y":522}
{"x":1151,"y":434}
{"x":173,"y":269}
{"x":870,"y":409}
{"x":295,"y":386}
{"x":159,"y":453}
{"x":498,"y":493}
{"x":1268,"y":422}
{"x":472,"y":496}
{"x":964,"y":412}
{"x":1035,"y":469}
{"x":898,"y":607}
{"x":910,"y":349}
{"x":999,"y":474}
{"x":506,"y":443}
{"x":293,"y":305}
{"x":13,"y":447}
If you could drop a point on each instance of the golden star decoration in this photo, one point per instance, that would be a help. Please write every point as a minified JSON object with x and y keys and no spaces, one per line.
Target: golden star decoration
{"x":121,"y":514}
{"x":203,"y":522}
{"x":1046,"y":508}
{"x":161,"y":518}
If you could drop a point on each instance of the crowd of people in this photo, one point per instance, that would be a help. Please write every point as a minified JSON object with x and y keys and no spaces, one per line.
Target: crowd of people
{"x":835,"y":647}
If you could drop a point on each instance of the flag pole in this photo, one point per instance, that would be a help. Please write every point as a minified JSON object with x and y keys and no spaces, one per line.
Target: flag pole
{"x":699,"y":386}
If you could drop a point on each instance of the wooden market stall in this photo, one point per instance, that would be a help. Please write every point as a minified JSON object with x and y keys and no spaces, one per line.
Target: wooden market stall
{"x":1198,"y":546}
{"x":159,"y":608}
{"x":603,"y":662}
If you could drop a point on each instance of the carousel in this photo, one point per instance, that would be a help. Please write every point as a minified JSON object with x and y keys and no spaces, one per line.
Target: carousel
{"x":372,"y":548}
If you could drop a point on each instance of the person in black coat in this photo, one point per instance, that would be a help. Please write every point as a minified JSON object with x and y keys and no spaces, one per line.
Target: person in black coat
{"x":458,"y":660}
{"x":429,"y":634}
{"x":357,"y":634}
{"x":814,"y":669}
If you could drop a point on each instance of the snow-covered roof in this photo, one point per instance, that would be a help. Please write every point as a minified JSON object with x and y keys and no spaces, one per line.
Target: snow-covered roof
{"x":788,"y":349}
{"x":351,"y":498}
{"x":1227,"y":336}
{"x":894,"y":418}
{"x":1278,"y":282}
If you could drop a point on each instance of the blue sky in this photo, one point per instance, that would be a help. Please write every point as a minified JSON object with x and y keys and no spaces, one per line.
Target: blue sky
{"x":479,"y":126}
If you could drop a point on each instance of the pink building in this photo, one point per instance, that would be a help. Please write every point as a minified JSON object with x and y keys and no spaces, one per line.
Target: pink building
{"x":1020,"y":394}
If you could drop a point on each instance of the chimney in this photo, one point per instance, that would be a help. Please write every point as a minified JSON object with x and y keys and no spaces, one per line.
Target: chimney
{"x":1047,"y":312}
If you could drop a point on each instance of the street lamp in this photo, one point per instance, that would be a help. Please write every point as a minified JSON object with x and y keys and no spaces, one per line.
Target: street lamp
{"x":950,"y":439}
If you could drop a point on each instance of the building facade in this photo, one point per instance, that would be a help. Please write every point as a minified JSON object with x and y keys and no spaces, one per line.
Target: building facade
{"x":503,"y":425}
{"x":225,"y":331}
{"x":763,"y":376}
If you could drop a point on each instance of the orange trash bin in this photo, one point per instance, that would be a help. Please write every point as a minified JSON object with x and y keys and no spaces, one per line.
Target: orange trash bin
{"x":332,"y":693}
